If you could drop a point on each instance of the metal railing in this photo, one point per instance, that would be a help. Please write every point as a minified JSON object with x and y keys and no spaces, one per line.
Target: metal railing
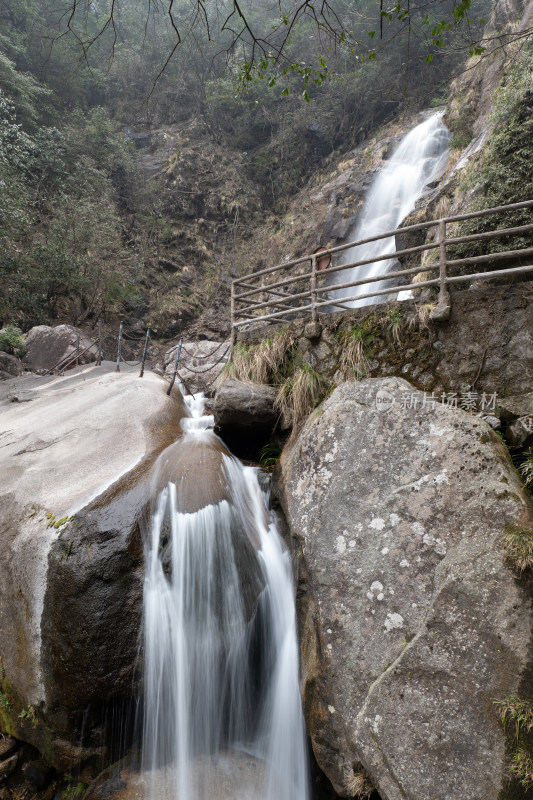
{"x":269,"y":295}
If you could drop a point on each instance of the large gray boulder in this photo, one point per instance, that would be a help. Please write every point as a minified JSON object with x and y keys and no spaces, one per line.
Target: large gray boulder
{"x":75,"y":464}
{"x":413,"y":624}
{"x":48,"y":348}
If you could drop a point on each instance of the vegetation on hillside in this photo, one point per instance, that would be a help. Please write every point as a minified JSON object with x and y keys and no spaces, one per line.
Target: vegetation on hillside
{"x":83,"y":230}
{"x":503,"y":175}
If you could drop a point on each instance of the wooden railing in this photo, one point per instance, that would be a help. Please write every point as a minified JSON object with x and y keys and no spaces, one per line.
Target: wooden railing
{"x":300,"y":288}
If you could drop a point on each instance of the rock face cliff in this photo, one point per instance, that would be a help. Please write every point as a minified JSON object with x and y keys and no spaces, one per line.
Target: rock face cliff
{"x":413,"y":622}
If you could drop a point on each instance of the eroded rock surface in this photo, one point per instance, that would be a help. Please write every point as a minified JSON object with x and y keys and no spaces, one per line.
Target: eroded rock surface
{"x":413,"y":624}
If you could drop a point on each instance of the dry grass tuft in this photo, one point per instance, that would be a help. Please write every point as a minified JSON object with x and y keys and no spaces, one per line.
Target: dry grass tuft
{"x":442,"y":207}
{"x":354,"y":345}
{"x":420,"y":319}
{"x":392,"y":323}
{"x":359,"y":785}
{"x":353,"y":359}
{"x":518,"y":546}
{"x":521,"y":767}
{"x":420,"y":277}
{"x":526,"y":469}
{"x":277,"y":354}
{"x":299,"y":395}
{"x":517,"y":712}
{"x":266,"y":362}
{"x":239,"y":367}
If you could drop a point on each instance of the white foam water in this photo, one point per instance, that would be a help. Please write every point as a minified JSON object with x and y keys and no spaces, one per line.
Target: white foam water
{"x":420,"y":158}
{"x":220,"y":643}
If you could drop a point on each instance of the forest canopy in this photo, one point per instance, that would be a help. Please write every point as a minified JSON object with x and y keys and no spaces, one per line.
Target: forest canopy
{"x":269,"y":39}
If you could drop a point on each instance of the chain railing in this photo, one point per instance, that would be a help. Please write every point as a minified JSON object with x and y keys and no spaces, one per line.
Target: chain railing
{"x":300,"y":287}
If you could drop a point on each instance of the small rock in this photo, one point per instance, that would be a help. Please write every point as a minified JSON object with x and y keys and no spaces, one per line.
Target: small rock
{"x":321,"y":351}
{"x":21,"y":397}
{"x":7,"y":746}
{"x":440,"y":313}
{"x":10,"y":366}
{"x":37,"y":773}
{"x":8,"y":766}
{"x":517,"y":406}
{"x":494,"y":422}
{"x":520,"y":432}
{"x":304,"y":345}
{"x":312,"y":330}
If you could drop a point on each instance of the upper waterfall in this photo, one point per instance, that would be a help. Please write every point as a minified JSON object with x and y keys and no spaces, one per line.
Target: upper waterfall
{"x":420,"y":158}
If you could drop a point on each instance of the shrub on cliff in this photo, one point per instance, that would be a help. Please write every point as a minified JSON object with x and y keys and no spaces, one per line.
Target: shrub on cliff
{"x":504,"y":175}
{"x":12,"y":341}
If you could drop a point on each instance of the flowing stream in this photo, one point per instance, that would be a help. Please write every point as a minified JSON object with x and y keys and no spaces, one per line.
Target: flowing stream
{"x":222,"y":709}
{"x":420,"y":158}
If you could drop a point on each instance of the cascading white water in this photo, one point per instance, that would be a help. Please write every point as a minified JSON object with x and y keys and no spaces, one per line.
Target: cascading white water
{"x":220,"y":644}
{"x":420,"y":158}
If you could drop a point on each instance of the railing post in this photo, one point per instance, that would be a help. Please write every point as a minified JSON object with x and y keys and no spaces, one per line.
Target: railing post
{"x":99,"y":356}
{"x":77,"y":349}
{"x":314,"y":300}
{"x":233,"y":329}
{"x":144,"y":352}
{"x":173,"y":380}
{"x":442,"y":311}
{"x":119,"y":348}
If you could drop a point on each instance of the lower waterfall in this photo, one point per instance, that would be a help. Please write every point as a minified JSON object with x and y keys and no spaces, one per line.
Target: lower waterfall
{"x":419,"y":159}
{"x":221,"y":695}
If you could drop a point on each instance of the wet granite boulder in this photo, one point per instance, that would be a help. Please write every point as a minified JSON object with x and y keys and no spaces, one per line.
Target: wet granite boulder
{"x":245,"y":405}
{"x":413,"y":623}
{"x":75,"y":464}
{"x":245,"y":416}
